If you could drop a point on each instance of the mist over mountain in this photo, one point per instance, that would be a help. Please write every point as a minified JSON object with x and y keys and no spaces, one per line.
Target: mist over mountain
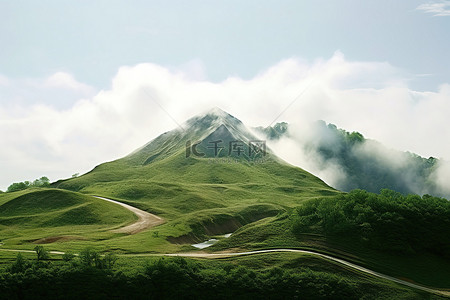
{"x":350,"y":161}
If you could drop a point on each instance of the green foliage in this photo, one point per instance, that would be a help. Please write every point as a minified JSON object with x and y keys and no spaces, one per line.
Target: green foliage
{"x":389,"y":221}
{"x":19,"y":265}
{"x":90,"y":258}
{"x":20,"y":186}
{"x":108,"y":261}
{"x":41,"y":253}
{"x":68,"y":256}
{"x":41,"y":182}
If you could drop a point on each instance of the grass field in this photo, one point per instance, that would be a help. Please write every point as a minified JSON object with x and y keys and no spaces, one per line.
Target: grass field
{"x":57,"y":216}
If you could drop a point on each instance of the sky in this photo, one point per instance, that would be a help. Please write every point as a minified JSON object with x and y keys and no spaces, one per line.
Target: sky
{"x":84,"y":82}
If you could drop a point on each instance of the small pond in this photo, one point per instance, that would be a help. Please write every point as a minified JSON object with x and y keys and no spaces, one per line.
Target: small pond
{"x":211,"y":242}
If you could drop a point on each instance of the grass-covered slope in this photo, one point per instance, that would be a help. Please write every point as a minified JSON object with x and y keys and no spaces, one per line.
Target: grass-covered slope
{"x":31,"y":215}
{"x":194,"y":194}
{"x":403,"y":236}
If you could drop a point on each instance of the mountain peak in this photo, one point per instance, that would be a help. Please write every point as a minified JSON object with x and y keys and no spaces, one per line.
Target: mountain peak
{"x":220,"y":114}
{"x":213,"y":133}
{"x":212,"y":119}
{"x":217,"y":111}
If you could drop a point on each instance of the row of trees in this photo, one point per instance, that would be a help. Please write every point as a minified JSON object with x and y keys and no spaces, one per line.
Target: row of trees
{"x":41,"y":182}
{"x":92,"y":276}
{"x":387,"y":221}
{"x":19,"y":186}
{"x":88,"y":258}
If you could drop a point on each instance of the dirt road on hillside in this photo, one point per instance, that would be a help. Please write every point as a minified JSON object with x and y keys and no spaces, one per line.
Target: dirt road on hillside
{"x":145,"y":219}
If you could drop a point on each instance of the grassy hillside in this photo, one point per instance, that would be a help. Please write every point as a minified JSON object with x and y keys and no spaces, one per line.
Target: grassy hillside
{"x":194,"y":191}
{"x":404,"y":236}
{"x":46,"y":215}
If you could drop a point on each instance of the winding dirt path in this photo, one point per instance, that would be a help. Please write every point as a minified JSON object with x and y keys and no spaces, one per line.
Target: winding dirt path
{"x":145,"y":219}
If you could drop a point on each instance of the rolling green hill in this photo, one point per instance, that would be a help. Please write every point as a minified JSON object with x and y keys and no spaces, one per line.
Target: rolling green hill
{"x":43,"y":215}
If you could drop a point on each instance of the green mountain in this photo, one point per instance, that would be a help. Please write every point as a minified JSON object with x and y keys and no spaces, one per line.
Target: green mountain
{"x":364,"y":163}
{"x":212,"y":172}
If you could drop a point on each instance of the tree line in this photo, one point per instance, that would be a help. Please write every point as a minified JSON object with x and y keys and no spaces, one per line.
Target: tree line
{"x":90,"y":275}
{"x":20,"y":186}
{"x":389,"y":221}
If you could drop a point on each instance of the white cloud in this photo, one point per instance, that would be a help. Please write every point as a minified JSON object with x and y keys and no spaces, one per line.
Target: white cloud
{"x":59,"y":90}
{"x":3,"y":80}
{"x":370,"y":97}
{"x":66,"y":81}
{"x":438,"y":9}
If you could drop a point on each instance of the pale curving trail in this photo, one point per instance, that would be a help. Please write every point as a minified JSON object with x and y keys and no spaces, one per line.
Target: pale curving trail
{"x":145,"y":219}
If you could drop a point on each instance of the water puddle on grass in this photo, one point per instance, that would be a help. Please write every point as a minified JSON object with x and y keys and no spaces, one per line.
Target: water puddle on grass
{"x":210,"y":242}
{"x":206,"y":244}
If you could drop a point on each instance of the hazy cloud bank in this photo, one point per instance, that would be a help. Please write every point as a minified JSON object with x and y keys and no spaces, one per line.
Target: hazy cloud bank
{"x":347,"y":161}
{"x":41,"y":137}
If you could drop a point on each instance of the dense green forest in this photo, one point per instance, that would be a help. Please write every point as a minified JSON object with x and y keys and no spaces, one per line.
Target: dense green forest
{"x":388,"y":221}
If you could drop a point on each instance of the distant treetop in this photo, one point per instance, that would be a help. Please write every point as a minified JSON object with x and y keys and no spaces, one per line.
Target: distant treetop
{"x":19,"y":186}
